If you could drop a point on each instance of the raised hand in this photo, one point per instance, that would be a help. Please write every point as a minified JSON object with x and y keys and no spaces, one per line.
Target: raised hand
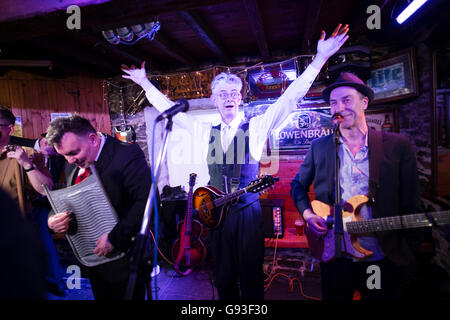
{"x":326,"y":48}
{"x":136,"y":75}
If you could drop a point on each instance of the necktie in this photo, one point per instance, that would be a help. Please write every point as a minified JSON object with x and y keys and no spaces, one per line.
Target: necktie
{"x":226,"y":137}
{"x":81,"y":177}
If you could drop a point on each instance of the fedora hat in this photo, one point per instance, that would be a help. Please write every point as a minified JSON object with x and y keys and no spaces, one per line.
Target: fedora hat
{"x":348,"y":79}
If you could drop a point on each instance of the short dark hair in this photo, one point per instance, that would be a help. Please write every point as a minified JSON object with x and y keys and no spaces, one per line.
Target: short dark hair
{"x":74,"y":123}
{"x":7,"y":115}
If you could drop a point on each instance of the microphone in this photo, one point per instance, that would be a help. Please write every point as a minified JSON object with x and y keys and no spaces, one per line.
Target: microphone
{"x":337,"y":119}
{"x":181,"y":106}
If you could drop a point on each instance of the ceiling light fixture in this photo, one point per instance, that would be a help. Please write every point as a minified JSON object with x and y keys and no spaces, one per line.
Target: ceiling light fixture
{"x":125,"y":35}
{"x":409,"y":10}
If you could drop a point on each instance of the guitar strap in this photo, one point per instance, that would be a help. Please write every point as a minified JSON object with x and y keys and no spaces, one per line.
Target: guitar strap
{"x":375,"y":156}
{"x":235,"y":179}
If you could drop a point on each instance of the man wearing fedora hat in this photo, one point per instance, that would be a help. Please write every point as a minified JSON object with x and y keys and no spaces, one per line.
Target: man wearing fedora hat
{"x":377,"y":164}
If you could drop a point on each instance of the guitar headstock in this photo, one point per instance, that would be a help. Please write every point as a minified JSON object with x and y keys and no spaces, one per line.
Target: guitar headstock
{"x":192,"y":178}
{"x":261,"y":183}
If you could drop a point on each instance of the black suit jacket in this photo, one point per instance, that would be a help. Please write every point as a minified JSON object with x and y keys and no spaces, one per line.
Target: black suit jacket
{"x":393,"y":185}
{"x":125,"y":175}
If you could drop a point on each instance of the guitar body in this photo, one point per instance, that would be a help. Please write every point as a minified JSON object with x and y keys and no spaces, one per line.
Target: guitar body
{"x":210,"y":215}
{"x":212,"y":204}
{"x":194,"y":251}
{"x":125,"y":133}
{"x":323,"y":248}
{"x":188,"y":251}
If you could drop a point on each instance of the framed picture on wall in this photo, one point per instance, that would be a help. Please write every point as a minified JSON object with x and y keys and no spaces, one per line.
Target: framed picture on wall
{"x":394,"y":78}
{"x":383,"y":119}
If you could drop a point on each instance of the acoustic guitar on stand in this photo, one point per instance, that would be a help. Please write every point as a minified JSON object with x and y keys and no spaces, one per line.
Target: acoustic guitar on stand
{"x":323,"y":248}
{"x":188,"y":250}
{"x":212,"y":204}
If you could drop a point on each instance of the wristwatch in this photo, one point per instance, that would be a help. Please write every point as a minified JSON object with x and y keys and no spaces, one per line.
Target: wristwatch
{"x":29,"y":169}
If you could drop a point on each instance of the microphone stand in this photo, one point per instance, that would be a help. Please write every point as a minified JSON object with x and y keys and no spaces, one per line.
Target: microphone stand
{"x":140,"y":259}
{"x":338,"y":223}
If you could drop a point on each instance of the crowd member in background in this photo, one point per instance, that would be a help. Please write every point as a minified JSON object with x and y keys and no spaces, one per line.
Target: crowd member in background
{"x":22,"y":271}
{"x":22,"y":170}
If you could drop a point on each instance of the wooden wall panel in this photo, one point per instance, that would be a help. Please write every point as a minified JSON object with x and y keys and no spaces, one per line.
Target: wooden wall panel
{"x":34,"y":98}
{"x":288,"y":170}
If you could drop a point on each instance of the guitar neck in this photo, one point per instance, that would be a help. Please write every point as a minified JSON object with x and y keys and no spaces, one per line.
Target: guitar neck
{"x":397,"y":222}
{"x":189,"y":211}
{"x":229,"y":197}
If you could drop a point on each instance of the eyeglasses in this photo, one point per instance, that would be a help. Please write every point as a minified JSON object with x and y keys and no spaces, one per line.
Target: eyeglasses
{"x":224,"y":95}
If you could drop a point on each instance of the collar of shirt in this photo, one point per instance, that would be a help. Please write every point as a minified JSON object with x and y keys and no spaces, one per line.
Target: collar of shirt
{"x":364,"y":148}
{"x":102,"y":143}
{"x":37,"y":147}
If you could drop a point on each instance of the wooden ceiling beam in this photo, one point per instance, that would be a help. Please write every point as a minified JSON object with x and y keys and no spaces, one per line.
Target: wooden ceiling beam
{"x":73,"y":51}
{"x":257,"y":24}
{"x":100,"y":44}
{"x":311,"y":20}
{"x":164,"y":43}
{"x":205,"y":34}
{"x":109,"y":15}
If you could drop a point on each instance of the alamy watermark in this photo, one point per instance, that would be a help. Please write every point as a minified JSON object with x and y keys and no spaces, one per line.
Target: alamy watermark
{"x":374,"y":20}
{"x":74,"y":20}
{"x":374,"y":280}
{"x":74,"y":279}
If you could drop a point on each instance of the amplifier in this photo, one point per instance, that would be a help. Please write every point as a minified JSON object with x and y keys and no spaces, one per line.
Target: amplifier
{"x":272,"y":215}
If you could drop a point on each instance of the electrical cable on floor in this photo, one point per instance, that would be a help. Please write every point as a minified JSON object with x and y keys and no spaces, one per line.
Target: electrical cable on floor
{"x":162,"y":255}
{"x":272,"y":275}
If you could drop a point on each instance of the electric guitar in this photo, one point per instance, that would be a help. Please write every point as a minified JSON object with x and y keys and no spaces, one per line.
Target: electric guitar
{"x":212,"y":204}
{"x":124,"y":132}
{"x":323,"y":248}
{"x":189,"y":251}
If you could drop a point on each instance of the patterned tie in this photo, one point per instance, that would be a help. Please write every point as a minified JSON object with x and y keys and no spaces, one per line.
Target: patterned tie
{"x":81,"y":177}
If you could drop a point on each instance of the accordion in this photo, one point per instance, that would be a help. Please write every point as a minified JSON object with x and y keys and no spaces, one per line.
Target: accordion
{"x":88,"y":202}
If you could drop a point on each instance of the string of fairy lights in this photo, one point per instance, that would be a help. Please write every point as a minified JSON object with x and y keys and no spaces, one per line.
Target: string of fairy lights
{"x":196,"y":83}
